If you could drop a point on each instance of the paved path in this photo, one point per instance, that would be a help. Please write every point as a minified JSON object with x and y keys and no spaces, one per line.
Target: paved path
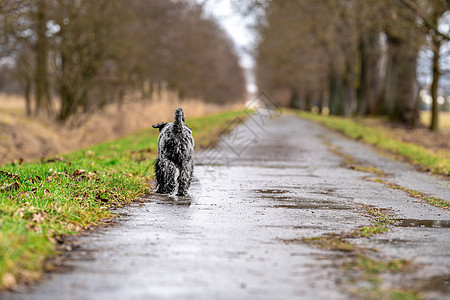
{"x":271,"y":180}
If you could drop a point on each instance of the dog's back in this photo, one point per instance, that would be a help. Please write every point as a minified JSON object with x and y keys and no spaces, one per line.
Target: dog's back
{"x":175,"y":140}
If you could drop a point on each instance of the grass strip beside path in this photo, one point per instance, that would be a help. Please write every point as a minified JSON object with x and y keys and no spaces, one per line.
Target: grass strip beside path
{"x":41,"y":202}
{"x":436,"y":161}
{"x":363,"y":270}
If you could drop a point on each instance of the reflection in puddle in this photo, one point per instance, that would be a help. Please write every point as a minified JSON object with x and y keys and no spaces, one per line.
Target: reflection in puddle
{"x":324,"y":191}
{"x":295,"y":227}
{"x":172,"y":199}
{"x":315,"y":206}
{"x":286,"y":199}
{"x":422,"y":223}
{"x":271,"y":191}
{"x":194,"y":194}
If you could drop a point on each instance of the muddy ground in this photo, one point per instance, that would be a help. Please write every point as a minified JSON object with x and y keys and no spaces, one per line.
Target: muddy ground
{"x":273,"y":182}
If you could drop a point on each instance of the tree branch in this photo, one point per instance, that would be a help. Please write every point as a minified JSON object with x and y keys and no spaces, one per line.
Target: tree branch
{"x":427,"y":23}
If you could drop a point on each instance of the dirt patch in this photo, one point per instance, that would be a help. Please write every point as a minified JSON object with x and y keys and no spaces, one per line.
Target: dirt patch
{"x":421,"y":136}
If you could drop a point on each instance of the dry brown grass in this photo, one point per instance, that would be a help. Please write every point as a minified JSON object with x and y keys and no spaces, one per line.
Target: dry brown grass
{"x":30,"y":138}
{"x":421,"y":135}
{"x":444,"y":119}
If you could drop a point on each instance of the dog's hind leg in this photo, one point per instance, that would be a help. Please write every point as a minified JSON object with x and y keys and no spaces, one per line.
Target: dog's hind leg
{"x":184,"y":179}
{"x":166,"y":174}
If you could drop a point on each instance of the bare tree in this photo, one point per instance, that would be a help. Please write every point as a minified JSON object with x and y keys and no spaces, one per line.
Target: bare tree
{"x":41,"y":49}
{"x":94,"y":52}
{"x":360,"y":55}
{"x":24,"y":27}
{"x":428,"y":14}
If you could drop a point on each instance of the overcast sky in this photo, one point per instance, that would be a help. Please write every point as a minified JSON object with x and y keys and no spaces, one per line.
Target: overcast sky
{"x":236,"y":26}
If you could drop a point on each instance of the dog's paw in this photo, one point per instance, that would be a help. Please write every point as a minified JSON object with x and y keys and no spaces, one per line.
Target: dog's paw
{"x":163,"y":191}
{"x":182,"y":193}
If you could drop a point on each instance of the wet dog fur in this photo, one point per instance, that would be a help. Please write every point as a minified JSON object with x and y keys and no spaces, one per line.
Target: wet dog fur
{"x":175,"y":163}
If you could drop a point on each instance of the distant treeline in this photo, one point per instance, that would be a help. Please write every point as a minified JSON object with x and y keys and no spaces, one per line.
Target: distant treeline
{"x":91,"y":53}
{"x":353,"y":56}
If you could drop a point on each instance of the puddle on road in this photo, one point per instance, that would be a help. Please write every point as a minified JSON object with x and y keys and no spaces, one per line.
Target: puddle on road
{"x":272,"y":191}
{"x":324,"y":192}
{"x":194,"y":193}
{"x":317,"y":191}
{"x":295,"y":227}
{"x":438,"y":283}
{"x":286,"y":199}
{"x":171,"y":199}
{"x":422,"y":223}
{"x":316,"y":206}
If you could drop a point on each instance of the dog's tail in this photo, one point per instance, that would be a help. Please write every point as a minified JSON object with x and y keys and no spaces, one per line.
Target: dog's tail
{"x":179,"y":118}
{"x":160,"y":126}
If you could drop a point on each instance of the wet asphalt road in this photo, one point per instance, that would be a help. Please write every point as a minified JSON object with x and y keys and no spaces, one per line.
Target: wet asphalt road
{"x":270,"y":180}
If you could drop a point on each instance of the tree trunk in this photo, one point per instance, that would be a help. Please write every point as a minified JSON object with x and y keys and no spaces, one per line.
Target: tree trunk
{"x":349,"y":98}
{"x":41,"y":72}
{"x":66,"y":91}
{"x":67,"y":103}
{"x":399,"y":97}
{"x":335,"y":95}
{"x":434,"y":87}
{"x":308,"y":100}
{"x":434,"y":125}
{"x":407,"y":105}
{"x":294,"y":102}
{"x":320,"y":103}
{"x":369,"y":78}
{"x":28,"y":96}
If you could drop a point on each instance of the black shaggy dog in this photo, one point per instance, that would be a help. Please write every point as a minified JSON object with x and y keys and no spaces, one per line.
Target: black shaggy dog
{"x":175,"y":163}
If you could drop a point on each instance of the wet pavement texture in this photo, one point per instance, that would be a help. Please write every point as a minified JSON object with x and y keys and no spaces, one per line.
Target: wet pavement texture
{"x":270,"y":180}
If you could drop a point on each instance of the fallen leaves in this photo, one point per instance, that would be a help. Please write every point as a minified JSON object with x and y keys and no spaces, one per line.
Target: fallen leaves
{"x":78,"y":173}
{"x":10,"y":187}
{"x":91,"y":175}
{"x":99,"y":198}
{"x":30,"y":213}
{"x":81,"y":174}
{"x":39,"y":217}
{"x":9,"y":175}
{"x":47,"y":192}
{"x":54,"y":159}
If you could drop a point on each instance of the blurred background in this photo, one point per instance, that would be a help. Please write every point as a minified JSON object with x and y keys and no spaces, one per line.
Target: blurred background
{"x":357,"y":57}
{"x":77,"y":72}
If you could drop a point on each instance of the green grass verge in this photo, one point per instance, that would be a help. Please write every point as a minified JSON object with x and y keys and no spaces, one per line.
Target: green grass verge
{"x":435,"y":201}
{"x":436,"y":161}
{"x":41,"y":201}
{"x":363,"y":273}
{"x":351,"y":163}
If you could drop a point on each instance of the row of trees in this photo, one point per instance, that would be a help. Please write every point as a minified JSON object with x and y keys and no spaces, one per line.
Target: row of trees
{"x":358,"y":57}
{"x":90,"y":53}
